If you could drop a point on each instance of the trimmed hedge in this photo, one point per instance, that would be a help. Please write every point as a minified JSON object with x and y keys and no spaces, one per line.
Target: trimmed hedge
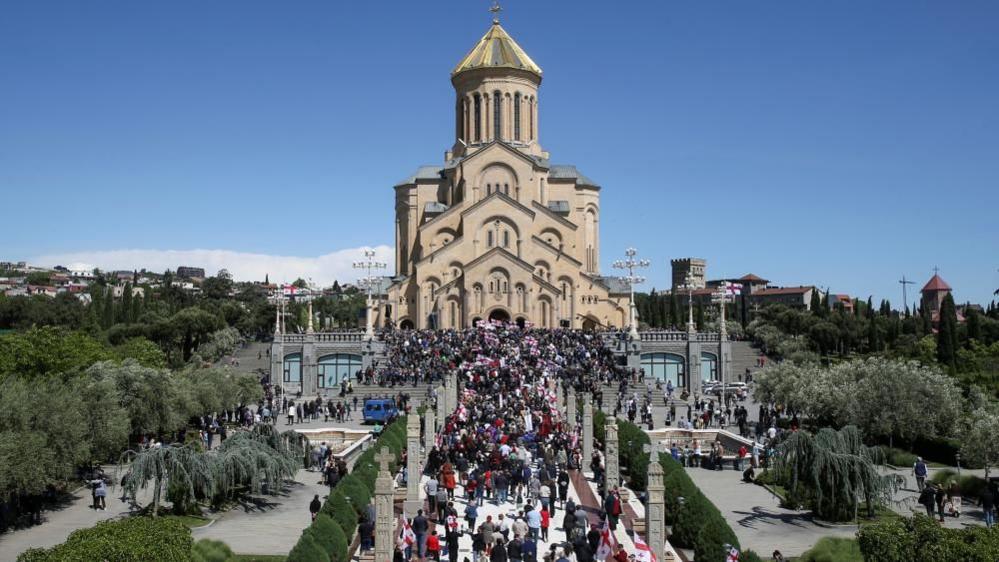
{"x":134,"y":539}
{"x":697,"y":523}
{"x":332,"y":531}
{"x":207,"y":550}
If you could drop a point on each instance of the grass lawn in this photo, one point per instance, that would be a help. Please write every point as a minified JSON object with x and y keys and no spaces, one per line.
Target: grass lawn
{"x":830,"y":549}
{"x":256,"y":558}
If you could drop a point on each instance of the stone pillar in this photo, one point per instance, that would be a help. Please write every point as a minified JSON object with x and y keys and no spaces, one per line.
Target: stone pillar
{"x":413,"y":471}
{"x":570,"y":410}
{"x":310,"y":367}
{"x":429,"y":429}
{"x":587,"y":432}
{"x":612,"y":478}
{"x":693,"y":364}
{"x":384,"y":511}
{"x":442,"y":409}
{"x":655,"y":511}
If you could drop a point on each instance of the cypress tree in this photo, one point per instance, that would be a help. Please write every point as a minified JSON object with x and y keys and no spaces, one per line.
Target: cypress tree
{"x":870,"y":308}
{"x":816,"y":303}
{"x":947,"y":333}
{"x":974,"y":325}
{"x":125,"y":312}
{"x":107,"y":320}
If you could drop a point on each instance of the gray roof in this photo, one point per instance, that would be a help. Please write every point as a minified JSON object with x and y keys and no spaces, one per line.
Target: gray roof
{"x":569,"y":172}
{"x":558,"y":207}
{"x":422,"y":173}
{"x":615,"y":285}
{"x":434,"y":207}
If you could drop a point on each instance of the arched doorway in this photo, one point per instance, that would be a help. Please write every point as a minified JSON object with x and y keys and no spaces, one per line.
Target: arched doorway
{"x":589,"y":324}
{"x":499,"y":315}
{"x":521,"y":322}
{"x":406,"y":324}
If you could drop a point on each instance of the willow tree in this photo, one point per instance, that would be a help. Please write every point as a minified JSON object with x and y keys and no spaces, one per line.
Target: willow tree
{"x":257,"y":461}
{"x":835,"y":471}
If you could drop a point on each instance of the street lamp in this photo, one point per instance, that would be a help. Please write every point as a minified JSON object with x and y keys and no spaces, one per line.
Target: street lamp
{"x":689,"y":285}
{"x":368,"y":281}
{"x":631,"y":264}
{"x":722,"y":297}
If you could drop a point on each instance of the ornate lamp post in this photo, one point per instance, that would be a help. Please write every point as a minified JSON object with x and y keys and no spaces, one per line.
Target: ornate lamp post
{"x":689,"y":286}
{"x":722,"y":297}
{"x":369,"y":281}
{"x":631,"y":264}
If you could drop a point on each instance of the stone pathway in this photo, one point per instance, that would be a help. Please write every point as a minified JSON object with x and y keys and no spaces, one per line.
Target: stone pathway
{"x":268,"y":524}
{"x":757,"y":519}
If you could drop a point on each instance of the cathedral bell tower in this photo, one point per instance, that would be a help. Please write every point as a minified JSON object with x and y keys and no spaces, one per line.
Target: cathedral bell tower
{"x":496,"y":95}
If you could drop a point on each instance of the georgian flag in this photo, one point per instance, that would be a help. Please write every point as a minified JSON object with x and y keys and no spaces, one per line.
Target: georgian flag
{"x":733,"y":555}
{"x":607,"y":543}
{"x":733,"y":288}
{"x":644,"y":553}
{"x":406,"y":535}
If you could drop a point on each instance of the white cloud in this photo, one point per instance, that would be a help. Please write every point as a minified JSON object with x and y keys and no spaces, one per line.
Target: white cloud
{"x":244,"y":266}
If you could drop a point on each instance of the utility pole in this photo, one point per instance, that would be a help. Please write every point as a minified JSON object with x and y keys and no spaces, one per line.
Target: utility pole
{"x":905,"y":297}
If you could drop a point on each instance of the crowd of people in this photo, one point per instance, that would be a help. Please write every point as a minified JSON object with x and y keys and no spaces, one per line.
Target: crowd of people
{"x":508,"y":443}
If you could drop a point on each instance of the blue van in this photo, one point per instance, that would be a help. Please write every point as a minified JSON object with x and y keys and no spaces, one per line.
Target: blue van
{"x":379,"y":410}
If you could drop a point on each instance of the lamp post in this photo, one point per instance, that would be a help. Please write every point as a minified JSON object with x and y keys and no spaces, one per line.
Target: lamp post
{"x":368,"y":281}
{"x":631,"y":264}
{"x":722,"y":297}
{"x":279,"y":329}
{"x":689,"y":286}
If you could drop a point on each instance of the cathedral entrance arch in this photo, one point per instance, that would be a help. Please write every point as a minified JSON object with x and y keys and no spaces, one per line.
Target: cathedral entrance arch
{"x":500,"y":315}
{"x":521,"y":322}
{"x":406,"y":324}
{"x":589,"y":324}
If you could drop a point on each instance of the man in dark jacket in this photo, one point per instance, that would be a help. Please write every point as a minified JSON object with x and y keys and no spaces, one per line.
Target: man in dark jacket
{"x":420,"y":525}
{"x":988,"y":502}
{"x":498,"y":553}
{"x":315,"y":506}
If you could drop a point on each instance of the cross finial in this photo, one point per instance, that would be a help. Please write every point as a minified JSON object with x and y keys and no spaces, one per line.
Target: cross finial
{"x":496,"y":9}
{"x":936,"y":270}
{"x":383,"y":459}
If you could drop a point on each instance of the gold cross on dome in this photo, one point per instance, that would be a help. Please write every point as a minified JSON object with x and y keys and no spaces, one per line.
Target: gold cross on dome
{"x":496,"y":9}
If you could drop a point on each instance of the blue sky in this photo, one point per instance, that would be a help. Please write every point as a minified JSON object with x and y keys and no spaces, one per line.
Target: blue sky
{"x":842,"y":144}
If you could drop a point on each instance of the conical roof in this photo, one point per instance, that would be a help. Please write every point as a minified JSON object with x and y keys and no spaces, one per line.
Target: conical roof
{"x":496,"y":49}
{"x":936,"y":283}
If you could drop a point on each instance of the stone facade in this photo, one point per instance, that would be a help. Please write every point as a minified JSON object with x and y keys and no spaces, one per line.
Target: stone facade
{"x":498,"y":231}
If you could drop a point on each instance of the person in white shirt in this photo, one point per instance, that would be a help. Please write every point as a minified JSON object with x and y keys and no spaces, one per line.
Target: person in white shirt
{"x":291,"y":414}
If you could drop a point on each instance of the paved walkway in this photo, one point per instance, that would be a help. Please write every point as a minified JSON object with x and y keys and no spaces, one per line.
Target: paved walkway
{"x":267,"y":524}
{"x":757,"y":519}
{"x":75,"y":513}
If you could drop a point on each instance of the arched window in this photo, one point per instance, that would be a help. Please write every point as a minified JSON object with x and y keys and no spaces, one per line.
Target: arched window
{"x":333,"y":369}
{"x":497,"y":115}
{"x":530,"y":110}
{"x":516,"y":116}
{"x":293,"y":367}
{"x":506,"y":238}
{"x":478,"y":117}
{"x":506,"y":189}
{"x":489,"y":189}
{"x":489,"y":239}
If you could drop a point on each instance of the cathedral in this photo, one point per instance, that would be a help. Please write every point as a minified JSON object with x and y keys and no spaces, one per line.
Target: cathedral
{"x":498,"y":232}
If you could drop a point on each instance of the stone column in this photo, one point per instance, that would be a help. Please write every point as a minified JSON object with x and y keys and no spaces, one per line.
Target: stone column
{"x":587,"y":431}
{"x":612,"y":478}
{"x":442,"y":409}
{"x":384,"y":511}
{"x":453,"y":393}
{"x":570,"y":410}
{"x":655,"y":511}
{"x":413,"y":472}
{"x":560,"y":396}
{"x":429,"y":429}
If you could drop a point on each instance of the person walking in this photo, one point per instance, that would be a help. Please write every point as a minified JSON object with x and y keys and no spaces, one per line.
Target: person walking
{"x":420,"y":526}
{"x":919,"y":471}
{"x":988,"y":503}
{"x":100,"y":494}
{"x":315,"y":506}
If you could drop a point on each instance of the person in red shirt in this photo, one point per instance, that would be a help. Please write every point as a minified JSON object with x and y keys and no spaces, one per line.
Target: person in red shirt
{"x":434,"y":546}
{"x":545,"y":520}
{"x":620,"y":555}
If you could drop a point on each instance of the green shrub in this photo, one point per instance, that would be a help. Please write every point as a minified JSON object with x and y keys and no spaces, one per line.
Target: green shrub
{"x":308,"y":550}
{"x":749,"y":556}
{"x":921,"y":539}
{"x":322,"y":532}
{"x":714,"y":534}
{"x":339,"y":508}
{"x":689,"y":519}
{"x":971,"y":486}
{"x":898,"y":457}
{"x":211,"y":551}
{"x":833,"y":549}
{"x":678,"y":485}
{"x":357,"y":491}
{"x":341,"y":544}
{"x":132,"y":539}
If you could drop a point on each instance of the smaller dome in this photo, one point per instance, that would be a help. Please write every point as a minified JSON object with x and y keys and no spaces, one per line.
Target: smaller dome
{"x":496,"y":49}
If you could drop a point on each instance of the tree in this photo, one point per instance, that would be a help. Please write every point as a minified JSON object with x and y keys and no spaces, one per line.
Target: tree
{"x":973,"y":324}
{"x":815,"y":305}
{"x":834,"y":469}
{"x":38,"y":278}
{"x":979,"y":443}
{"x":947,"y":333}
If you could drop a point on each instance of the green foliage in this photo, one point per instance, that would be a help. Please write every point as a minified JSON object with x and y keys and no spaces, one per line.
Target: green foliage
{"x":331,"y":537}
{"x":355,"y":489}
{"x":134,"y":539}
{"x":833,"y":549}
{"x":341,"y":510}
{"x":947,"y":333}
{"x":833,"y":468}
{"x":714,"y":534}
{"x":207,"y":550}
{"x":897,"y":457}
{"x":308,"y":550}
{"x":921,"y":539}
{"x":41,"y":351}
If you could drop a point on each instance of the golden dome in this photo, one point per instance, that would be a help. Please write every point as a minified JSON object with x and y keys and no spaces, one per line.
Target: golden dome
{"x":496,"y":49}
